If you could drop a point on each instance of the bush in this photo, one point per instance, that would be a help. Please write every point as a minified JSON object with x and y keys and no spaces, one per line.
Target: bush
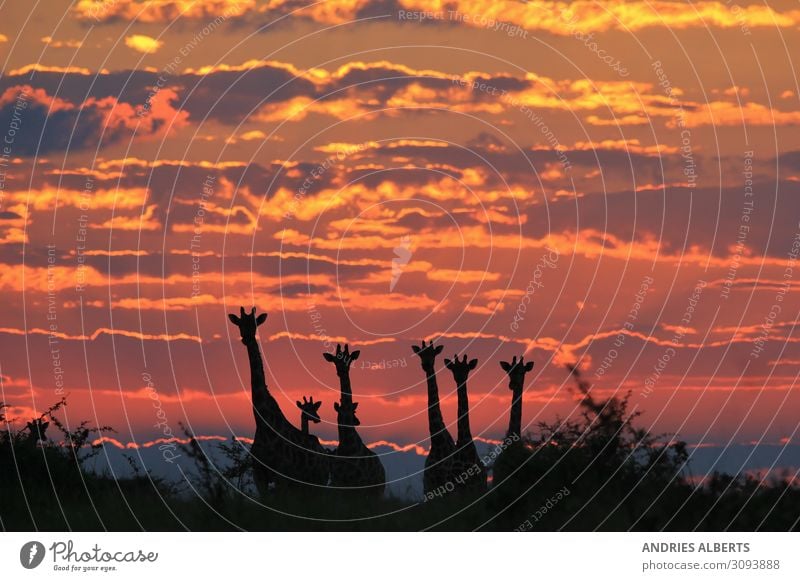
{"x":597,"y":472}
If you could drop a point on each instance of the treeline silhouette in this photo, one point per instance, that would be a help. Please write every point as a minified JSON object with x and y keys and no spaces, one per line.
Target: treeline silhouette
{"x":600,"y":471}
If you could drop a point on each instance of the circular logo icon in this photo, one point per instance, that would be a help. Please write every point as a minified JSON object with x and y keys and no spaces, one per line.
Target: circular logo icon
{"x":31,"y":554}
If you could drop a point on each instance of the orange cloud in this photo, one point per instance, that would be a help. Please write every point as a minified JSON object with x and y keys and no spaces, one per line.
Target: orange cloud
{"x":48,"y":40}
{"x":630,"y":103}
{"x":629,"y":145}
{"x":44,"y":200}
{"x":463,"y":276}
{"x":314,"y":75}
{"x":333,"y":339}
{"x":555,"y":17}
{"x":254,"y":135}
{"x":104,"y":331}
{"x":721,"y":113}
{"x":39,"y":95}
{"x":159,"y":10}
{"x":40,"y":68}
{"x":143,"y":43}
{"x":566,"y":18}
{"x":144,"y":221}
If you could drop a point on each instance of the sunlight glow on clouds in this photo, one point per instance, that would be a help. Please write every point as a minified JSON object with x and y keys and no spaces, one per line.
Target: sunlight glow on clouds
{"x":143,"y":43}
{"x":260,"y":169}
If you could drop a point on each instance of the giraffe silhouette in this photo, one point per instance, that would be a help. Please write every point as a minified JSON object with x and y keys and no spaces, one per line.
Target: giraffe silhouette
{"x":466,"y":459}
{"x":282,"y":454}
{"x":516,"y":371}
{"x":515,"y":453}
{"x":354,"y":466}
{"x":439,"y":463}
{"x":37,"y":429}
{"x":309,"y":411}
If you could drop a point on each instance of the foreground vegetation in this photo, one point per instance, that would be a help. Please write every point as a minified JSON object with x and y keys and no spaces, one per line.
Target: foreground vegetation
{"x":600,"y":472}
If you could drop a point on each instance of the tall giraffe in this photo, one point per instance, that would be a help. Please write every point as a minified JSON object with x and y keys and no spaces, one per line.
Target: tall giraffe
{"x":514,"y":452}
{"x":516,"y":371}
{"x":467,"y":463}
{"x":439,"y":463}
{"x":282,"y":454}
{"x":354,"y":466}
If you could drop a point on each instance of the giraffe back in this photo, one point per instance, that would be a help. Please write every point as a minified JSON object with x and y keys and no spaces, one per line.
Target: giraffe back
{"x":468,"y":468}
{"x":439,"y":465}
{"x":358,"y":469}
{"x":284,"y":455}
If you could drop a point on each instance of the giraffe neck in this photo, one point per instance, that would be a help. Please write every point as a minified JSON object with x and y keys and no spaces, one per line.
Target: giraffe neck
{"x":258,"y":382}
{"x":348,"y":438}
{"x":515,"y":417}
{"x":436,"y":426}
{"x":346,"y":389}
{"x":464,"y":433}
{"x":304,"y":423}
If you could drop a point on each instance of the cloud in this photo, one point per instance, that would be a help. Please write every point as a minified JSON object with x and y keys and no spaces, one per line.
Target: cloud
{"x":270,"y":92}
{"x":143,"y":43}
{"x":49,"y":124}
{"x":159,"y":10}
{"x":58,"y":70}
{"x":253,"y":135}
{"x":48,"y":40}
{"x":590,"y":16}
{"x":723,"y":113}
{"x":103,"y":331}
{"x":533,"y":15}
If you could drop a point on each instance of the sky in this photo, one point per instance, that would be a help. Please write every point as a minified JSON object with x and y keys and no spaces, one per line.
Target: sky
{"x":613,"y":185}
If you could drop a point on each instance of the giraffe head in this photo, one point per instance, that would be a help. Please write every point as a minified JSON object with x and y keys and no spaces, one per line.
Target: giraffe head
{"x":346,"y":413}
{"x":247,"y":323}
{"x":310,"y":409}
{"x":516,"y":371}
{"x":37,"y":428}
{"x":427,"y":353}
{"x":342,"y":359}
{"x":460,"y":368}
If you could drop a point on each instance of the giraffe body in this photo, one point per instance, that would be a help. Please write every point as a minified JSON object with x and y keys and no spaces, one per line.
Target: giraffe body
{"x":283,"y":456}
{"x":466,"y":462}
{"x":354,"y":467}
{"x":440,"y":462}
{"x":516,"y":453}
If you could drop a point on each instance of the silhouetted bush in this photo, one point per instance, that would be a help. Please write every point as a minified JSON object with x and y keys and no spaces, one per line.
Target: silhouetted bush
{"x":602,"y":472}
{"x":45,"y":485}
{"x":599,"y":471}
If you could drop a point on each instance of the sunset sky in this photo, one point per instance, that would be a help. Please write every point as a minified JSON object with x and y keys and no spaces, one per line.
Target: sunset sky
{"x":577,"y":182}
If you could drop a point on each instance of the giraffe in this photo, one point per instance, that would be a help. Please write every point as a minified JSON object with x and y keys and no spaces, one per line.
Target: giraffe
{"x":37,"y":429}
{"x":514,"y":451}
{"x":354,"y":465}
{"x":282,"y":454}
{"x":439,"y":463}
{"x":467,"y":463}
{"x":516,"y":371}
{"x":309,"y":411}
